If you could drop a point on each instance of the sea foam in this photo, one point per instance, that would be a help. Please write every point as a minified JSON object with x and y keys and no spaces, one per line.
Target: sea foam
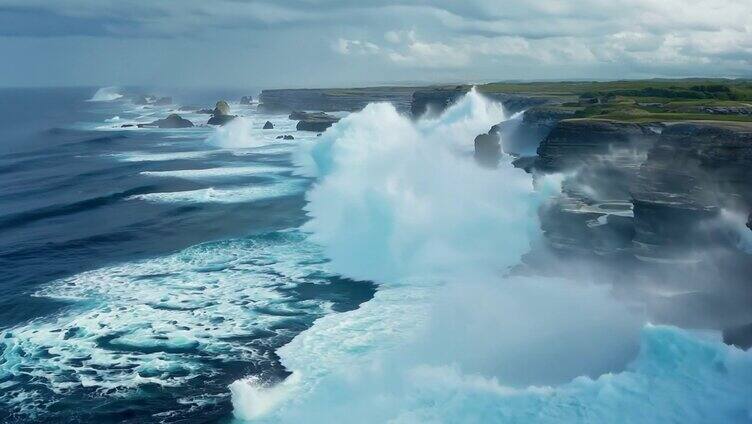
{"x":162,"y":322}
{"x":239,"y":194}
{"x":449,"y":338}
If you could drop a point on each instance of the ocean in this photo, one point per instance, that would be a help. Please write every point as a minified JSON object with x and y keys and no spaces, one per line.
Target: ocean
{"x":367,"y":275}
{"x":144,"y":270}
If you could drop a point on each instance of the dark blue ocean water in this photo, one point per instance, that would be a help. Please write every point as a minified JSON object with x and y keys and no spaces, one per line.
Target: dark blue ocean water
{"x":132,"y":293}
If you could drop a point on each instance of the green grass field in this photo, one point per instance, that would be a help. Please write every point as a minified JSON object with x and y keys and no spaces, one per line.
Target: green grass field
{"x":643,"y":100}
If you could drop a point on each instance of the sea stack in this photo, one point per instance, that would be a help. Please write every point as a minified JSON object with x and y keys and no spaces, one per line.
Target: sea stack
{"x":221,"y":114}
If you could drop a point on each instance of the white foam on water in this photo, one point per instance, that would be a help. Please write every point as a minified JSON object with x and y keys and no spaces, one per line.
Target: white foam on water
{"x":157,"y":321}
{"x":106,"y":94}
{"x":242,"y":194}
{"x":161,"y":157}
{"x":218,"y":173}
{"x":236,"y":134}
{"x":448,"y":338}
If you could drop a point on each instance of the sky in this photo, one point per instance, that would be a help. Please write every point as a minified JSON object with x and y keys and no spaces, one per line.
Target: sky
{"x":335,"y":43}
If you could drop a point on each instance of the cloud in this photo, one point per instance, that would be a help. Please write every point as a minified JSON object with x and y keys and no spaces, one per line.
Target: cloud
{"x":344,"y":46}
{"x":379,"y":39}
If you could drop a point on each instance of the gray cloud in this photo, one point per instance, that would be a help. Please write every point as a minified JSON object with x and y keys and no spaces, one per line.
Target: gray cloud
{"x":335,"y":42}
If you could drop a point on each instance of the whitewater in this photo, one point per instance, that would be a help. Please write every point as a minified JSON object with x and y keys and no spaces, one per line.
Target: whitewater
{"x":457,"y":331}
{"x":375,"y":273}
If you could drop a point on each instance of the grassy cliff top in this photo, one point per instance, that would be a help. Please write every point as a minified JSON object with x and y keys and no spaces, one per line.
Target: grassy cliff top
{"x":643,"y":100}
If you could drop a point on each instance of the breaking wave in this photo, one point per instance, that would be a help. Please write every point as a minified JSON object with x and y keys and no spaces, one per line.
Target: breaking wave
{"x":164,"y":322}
{"x":237,"y":134}
{"x":218,"y":173}
{"x":240,"y":194}
{"x":454,"y":334}
{"x":106,"y":94}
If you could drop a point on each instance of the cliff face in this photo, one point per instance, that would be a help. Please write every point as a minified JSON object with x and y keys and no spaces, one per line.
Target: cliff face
{"x":667,"y":186}
{"x":573,"y":143}
{"x":593,"y":213}
{"x":332,"y":100}
{"x":522,"y":136}
{"x":694,"y":171}
{"x":436,"y":99}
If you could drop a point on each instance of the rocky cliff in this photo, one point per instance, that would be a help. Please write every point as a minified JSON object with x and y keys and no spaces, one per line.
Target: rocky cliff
{"x":600,"y":160}
{"x":332,"y":100}
{"x":436,"y":99}
{"x":694,"y":171}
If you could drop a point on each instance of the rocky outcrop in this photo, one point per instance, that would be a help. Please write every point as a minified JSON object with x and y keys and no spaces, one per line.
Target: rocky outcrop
{"x":694,"y":171}
{"x":332,"y":100}
{"x":171,"y":121}
{"x":577,"y":142}
{"x":268,"y":125}
{"x":739,"y":336}
{"x":221,"y":114}
{"x":285,"y":137}
{"x":246,"y":100}
{"x":435,"y":100}
{"x":601,"y":160}
{"x":522,"y":136}
{"x":487,"y":150}
{"x":726,"y":110}
{"x":221,"y":108}
{"x":297,"y":115}
{"x":313,"y":121}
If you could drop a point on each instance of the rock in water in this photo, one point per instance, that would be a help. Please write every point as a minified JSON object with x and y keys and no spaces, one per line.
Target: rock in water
{"x":268,"y":125}
{"x":739,"y":336}
{"x":487,"y":150}
{"x":220,"y":119}
{"x":221,"y":114}
{"x":172,"y":121}
{"x":285,"y":137}
{"x":313,"y":121}
{"x":246,"y":100}
{"x":297,"y":115}
{"x":221,"y":108}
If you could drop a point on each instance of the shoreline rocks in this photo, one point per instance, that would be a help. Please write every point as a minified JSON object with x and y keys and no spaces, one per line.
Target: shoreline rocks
{"x":313,"y":121}
{"x":221,"y":114}
{"x":487,"y":150}
{"x":694,"y":171}
{"x":268,"y":125}
{"x":172,"y":120}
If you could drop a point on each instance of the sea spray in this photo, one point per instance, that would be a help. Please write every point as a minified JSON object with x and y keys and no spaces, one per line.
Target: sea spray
{"x":448,"y":338}
{"x":236,"y":134}
{"x":402,"y":203}
{"x":106,"y":94}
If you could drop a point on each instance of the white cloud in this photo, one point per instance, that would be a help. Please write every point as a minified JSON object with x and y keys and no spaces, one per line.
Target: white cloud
{"x":470,"y":39}
{"x":346,"y":47}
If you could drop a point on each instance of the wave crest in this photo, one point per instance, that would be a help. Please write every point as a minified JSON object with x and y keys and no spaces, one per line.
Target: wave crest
{"x":106,"y":94}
